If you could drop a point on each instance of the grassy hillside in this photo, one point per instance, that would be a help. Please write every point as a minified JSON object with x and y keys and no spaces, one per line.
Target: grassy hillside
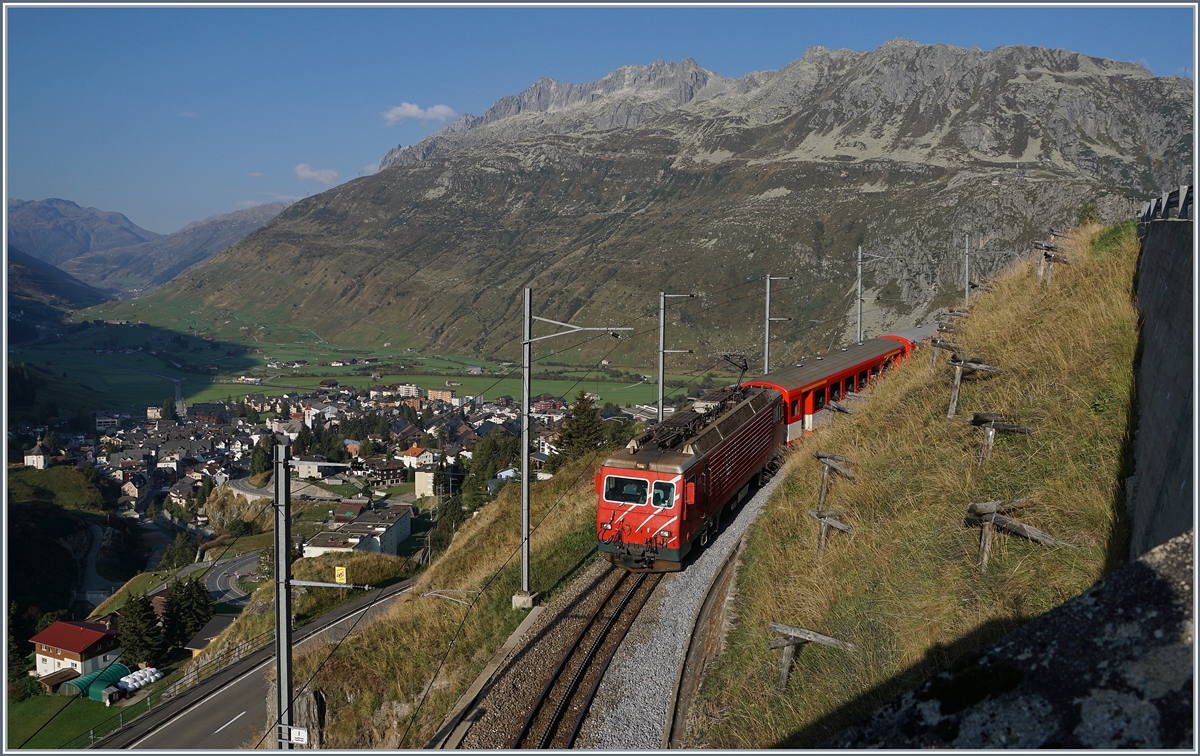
{"x":904,"y":588}
{"x":374,"y":682}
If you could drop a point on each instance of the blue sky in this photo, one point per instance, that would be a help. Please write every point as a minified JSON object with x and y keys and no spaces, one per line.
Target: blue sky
{"x":171,"y":115}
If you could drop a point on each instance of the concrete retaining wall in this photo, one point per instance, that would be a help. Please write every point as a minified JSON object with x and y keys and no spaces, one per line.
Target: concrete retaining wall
{"x":1159,"y":495}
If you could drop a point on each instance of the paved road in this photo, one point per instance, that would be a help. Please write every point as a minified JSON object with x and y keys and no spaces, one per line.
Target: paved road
{"x":299,"y":487}
{"x":230,"y":708}
{"x":242,"y":486}
{"x":92,"y":580}
{"x":221,"y":580}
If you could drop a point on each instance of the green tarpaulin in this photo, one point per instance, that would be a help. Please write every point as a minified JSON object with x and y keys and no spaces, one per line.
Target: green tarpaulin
{"x":93,"y":683}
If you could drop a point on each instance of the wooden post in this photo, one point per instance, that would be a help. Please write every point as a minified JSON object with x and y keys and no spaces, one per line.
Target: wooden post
{"x":795,"y":638}
{"x":825,"y":517}
{"x":824,"y":485}
{"x":933,"y":355}
{"x":989,"y":437}
{"x":1021,"y":529}
{"x":985,"y":544}
{"x":954,"y":391}
{"x":785,"y":666}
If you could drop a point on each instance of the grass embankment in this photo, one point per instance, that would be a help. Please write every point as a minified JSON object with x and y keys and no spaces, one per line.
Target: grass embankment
{"x":904,"y":588}
{"x":375,"y":681}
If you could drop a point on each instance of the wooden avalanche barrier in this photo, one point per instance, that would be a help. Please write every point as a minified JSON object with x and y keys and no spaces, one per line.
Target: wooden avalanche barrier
{"x":797,"y":637}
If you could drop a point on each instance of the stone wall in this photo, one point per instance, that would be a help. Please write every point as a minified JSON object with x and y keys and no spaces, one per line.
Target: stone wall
{"x":1159,"y":495}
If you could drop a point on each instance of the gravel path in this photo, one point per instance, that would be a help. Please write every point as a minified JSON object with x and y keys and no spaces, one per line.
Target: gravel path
{"x":632,"y":704}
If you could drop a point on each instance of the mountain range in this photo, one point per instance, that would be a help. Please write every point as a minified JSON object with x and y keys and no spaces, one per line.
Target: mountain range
{"x":672,"y":178}
{"x":55,"y":230}
{"x":110,"y":253}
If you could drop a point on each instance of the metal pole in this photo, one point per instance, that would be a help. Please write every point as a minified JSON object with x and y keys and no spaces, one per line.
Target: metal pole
{"x":767,"y":341}
{"x":662,"y":326}
{"x":767,"y":344}
{"x":283,"y":598}
{"x":859,"y":294}
{"x":967,"y":281}
{"x":525,"y":352}
{"x":662,"y":350}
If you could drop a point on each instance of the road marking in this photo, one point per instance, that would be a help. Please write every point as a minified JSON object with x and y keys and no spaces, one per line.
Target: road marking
{"x":222,"y":727}
{"x":247,"y":675}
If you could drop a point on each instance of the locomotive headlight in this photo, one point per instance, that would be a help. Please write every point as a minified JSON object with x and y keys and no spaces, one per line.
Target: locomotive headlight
{"x":606,"y":526}
{"x":665,"y":533}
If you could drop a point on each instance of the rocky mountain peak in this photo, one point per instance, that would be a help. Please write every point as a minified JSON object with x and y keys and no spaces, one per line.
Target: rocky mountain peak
{"x":624,"y":98}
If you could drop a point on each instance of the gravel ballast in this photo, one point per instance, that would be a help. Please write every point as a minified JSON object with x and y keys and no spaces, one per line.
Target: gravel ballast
{"x":634,"y":700}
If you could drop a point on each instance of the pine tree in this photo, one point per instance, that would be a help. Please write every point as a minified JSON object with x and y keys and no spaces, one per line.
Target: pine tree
{"x":168,"y":409}
{"x":173,"y":632}
{"x":264,"y":454}
{"x":199,"y":606}
{"x":141,"y":639}
{"x":583,"y":432}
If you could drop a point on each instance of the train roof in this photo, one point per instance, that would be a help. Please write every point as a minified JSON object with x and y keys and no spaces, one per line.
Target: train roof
{"x":814,"y":370}
{"x":675,"y":444}
{"x":919,"y":333}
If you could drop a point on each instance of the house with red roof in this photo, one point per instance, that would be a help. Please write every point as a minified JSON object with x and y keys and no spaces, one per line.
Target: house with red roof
{"x":80,"y":646}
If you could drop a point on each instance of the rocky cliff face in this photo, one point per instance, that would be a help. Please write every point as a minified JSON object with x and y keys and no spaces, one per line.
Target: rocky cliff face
{"x":938,"y":104}
{"x":670,"y":178}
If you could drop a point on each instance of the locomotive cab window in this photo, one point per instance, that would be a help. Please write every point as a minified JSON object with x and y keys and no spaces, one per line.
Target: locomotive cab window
{"x":795,"y":407}
{"x":664,"y":495}
{"x":818,"y":399}
{"x":626,"y":490}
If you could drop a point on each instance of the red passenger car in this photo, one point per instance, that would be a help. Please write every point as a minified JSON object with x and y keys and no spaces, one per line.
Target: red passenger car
{"x":808,"y":387}
{"x":666,"y":491}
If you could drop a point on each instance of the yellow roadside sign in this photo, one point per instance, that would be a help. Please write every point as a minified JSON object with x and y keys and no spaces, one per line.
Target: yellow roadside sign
{"x":339,"y":575}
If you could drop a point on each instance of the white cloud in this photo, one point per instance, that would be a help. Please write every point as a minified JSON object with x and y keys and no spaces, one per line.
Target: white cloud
{"x":255,"y":174}
{"x":320,"y":175}
{"x":188,"y":114}
{"x":371,"y":168}
{"x":408,"y":110}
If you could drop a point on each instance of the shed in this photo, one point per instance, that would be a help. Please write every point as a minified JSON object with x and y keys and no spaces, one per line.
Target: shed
{"x":215,"y":627}
{"x":93,"y":683}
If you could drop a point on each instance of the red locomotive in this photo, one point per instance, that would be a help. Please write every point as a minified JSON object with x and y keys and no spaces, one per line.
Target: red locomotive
{"x":668,"y":489}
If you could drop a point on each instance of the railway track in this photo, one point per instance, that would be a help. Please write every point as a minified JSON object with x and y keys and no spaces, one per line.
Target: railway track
{"x":556,"y":717}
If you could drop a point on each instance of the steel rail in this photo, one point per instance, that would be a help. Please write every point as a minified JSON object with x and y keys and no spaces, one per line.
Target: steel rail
{"x":562,"y":663}
{"x":587,"y":704}
{"x":618,"y":610}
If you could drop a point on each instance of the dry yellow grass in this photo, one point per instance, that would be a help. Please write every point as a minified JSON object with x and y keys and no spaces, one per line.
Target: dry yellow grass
{"x":904,"y":587}
{"x":383,"y":679}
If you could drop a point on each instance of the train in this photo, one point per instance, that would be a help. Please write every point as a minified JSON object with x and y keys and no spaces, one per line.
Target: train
{"x":664,"y":494}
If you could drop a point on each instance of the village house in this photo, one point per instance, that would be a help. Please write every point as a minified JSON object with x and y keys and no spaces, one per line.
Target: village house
{"x":309,"y":466}
{"x":414,"y":457}
{"x":81,"y":647}
{"x":381,"y":530}
{"x":347,"y":509}
{"x":424,"y":481}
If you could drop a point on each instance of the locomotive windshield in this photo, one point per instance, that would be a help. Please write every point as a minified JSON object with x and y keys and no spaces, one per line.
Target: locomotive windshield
{"x":626,"y":490}
{"x":664,"y":495}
